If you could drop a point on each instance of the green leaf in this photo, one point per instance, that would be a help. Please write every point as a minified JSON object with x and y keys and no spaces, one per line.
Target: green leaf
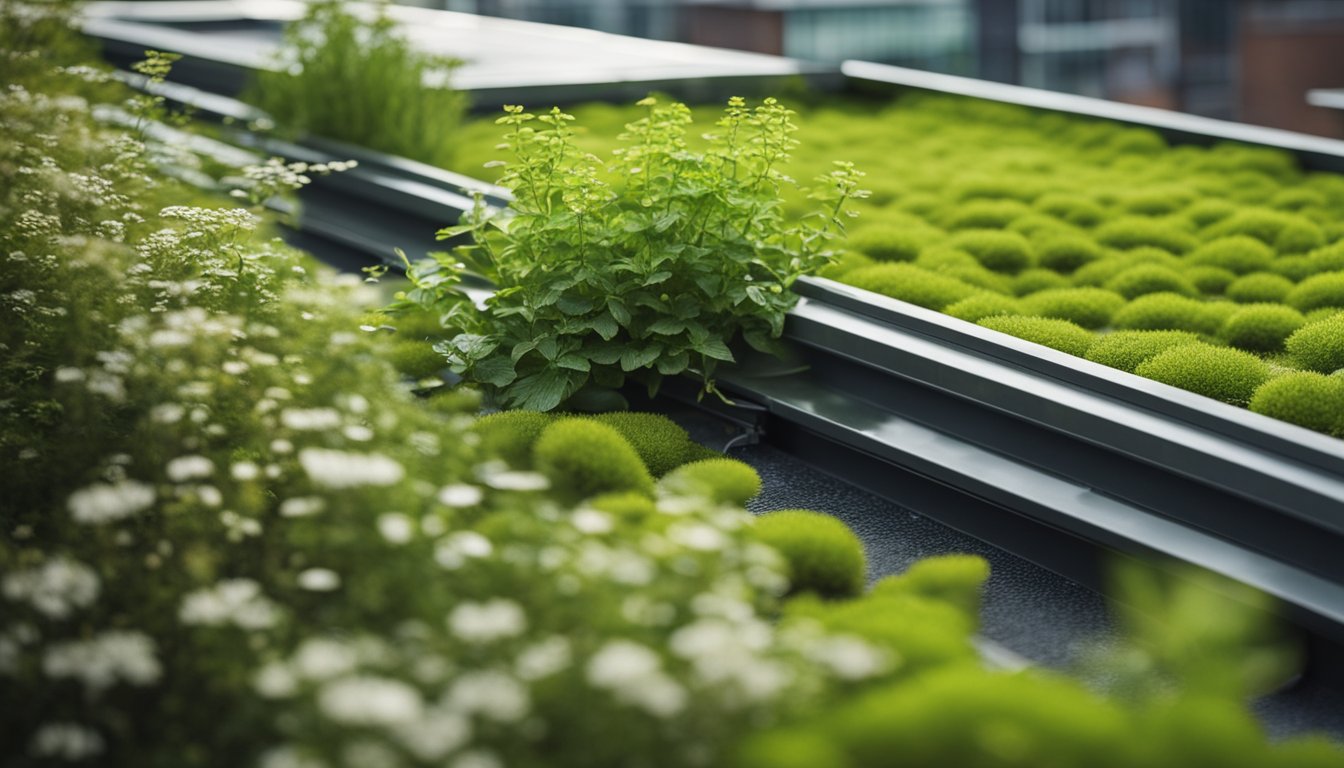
{"x":668,"y":326}
{"x":618,"y":311}
{"x":635,"y":358}
{"x":472,"y":346}
{"x":574,"y":362}
{"x":574,"y":305}
{"x":657,"y":277}
{"x":605,"y":326}
{"x":715,"y":348}
{"x":603,"y":353}
{"x":672,"y":365}
{"x":497,"y":371}
{"x":541,"y":391}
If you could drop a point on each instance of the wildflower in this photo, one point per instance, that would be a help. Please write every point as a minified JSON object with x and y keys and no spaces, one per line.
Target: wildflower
{"x":543,"y":659}
{"x":321,"y":659}
{"x":99,"y":663}
{"x":453,"y":552}
{"x":105,"y":503}
{"x":65,"y":741}
{"x":184,"y":468}
{"x":337,"y":469}
{"x":310,"y":419}
{"x":434,"y":735}
{"x":55,"y":589}
{"x":491,"y":694}
{"x":633,"y":673}
{"x":302,"y":506}
{"x":319,"y":580}
{"x":368,"y":700}
{"x":487,"y":622}
{"x":396,"y":528}
{"x":238,"y":602}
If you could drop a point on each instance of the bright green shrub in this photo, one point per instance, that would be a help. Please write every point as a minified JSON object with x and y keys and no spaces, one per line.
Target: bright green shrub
{"x":1259,"y":287}
{"x":983,"y":305}
{"x":583,"y":458}
{"x":1170,"y":312}
{"x":1210,"y":281}
{"x":953,"y":579}
{"x":986,"y":214}
{"x":1325,"y":290}
{"x":1261,"y":327}
{"x":510,"y":435}
{"x":1029,"y":281}
{"x":1322,"y":313}
{"x":844,"y":263}
{"x":661,"y":443}
{"x":1056,"y":334}
{"x":888,"y":242}
{"x":1285,"y":232}
{"x":1228,"y":375}
{"x":1307,"y":399}
{"x":1319,"y":346}
{"x":1144,"y":279}
{"x":416,"y":359}
{"x":1087,"y":307}
{"x":1074,"y":209}
{"x":1125,"y":350}
{"x":720,"y":479}
{"x":911,"y":283}
{"x":994,"y":188}
{"x":1238,"y":253}
{"x":796,"y":748}
{"x":824,"y":557}
{"x":1006,"y":252}
{"x":1097,"y":273}
{"x":1129,"y":233}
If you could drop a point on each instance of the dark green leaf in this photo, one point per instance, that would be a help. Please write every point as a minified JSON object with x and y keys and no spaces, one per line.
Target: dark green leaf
{"x":635,"y":357}
{"x":574,"y":362}
{"x":715,"y":348}
{"x":497,"y":370}
{"x":605,"y":326}
{"x":541,"y":391}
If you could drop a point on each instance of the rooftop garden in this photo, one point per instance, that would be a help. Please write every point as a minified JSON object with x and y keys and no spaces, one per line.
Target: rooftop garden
{"x":245,"y":521}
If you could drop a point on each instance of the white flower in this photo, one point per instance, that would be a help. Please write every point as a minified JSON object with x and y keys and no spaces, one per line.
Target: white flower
{"x":167,"y":413}
{"x":543,"y":659}
{"x":850,"y":658}
{"x":233,"y":601}
{"x":319,"y":580}
{"x":514,"y":480}
{"x":281,"y":446}
{"x":68,"y":375}
{"x":589,"y":520}
{"x":633,"y":673}
{"x":358,"y":433}
{"x":275,"y":681}
{"x":478,"y":758}
{"x":103,"y":503}
{"x":320,"y":659}
{"x":302,"y":506}
{"x":55,"y":588}
{"x":65,"y":741}
{"x":454,"y":551}
{"x":310,"y":419}
{"x":697,"y":536}
{"x":101,"y":662}
{"x":288,"y":757}
{"x":396,"y":528}
{"x":491,"y":694}
{"x":245,"y":471}
{"x":184,"y":468}
{"x":460,"y":495}
{"x":487,"y":622}
{"x":337,"y":469}
{"x":235,"y":367}
{"x":368,"y":700}
{"x":434,"y":735}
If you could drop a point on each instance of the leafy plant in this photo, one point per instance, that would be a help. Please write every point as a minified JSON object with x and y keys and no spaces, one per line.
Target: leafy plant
{"x":361,"y":81}
{"x":646,"y":266}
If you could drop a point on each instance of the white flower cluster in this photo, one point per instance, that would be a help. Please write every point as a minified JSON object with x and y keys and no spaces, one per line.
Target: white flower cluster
{"x":236,"y":602}
{"x":56,"y":588}
{"x":633,"y":673}
{"x":105,"y":660}
{"x":103,"y":503}
{"x":338,"y":470}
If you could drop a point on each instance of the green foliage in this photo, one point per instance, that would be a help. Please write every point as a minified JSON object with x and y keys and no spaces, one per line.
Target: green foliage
{"x":1285,"y":232}
{"x":1065,"y":253}
{"x":510,"y":435}
{"x":661,"y":443}
{"x":1072,"y":209}
{"x":908,"y":282}
{"x":1056,"y":334}
{"x":1144,"y":279}
{"x":416,"y":359}
{"x":981,"y":305}
{"x":1099,"y":272}
{"x":1129,"y":233}
{"x":1170,"y":312}
{"x":1030,"y":281}
{"x":584,"y":458}
{"x":1325,"y":290}
{"x":888,"y":242}
{"x":1088,"y":307}
{"x":361,"y":82}
{"x":953,"y":579}
{"x":1305,"y":398}
{"x":824,"y":557}
{"x":1238,"y":253}
{"x":1259,"y":287}
{"x":913,"y":632}
{"x":1006,"y":252}
{"x":1261,"y":327}
{"x":720,"y":479}
{"x":1126,"y":350}
{"x":646,"y":266}
{"x":1210,"y":281}
{"x":844,"y":263}
{"x":1223,"y":374}
{"x":986,"y":214}
{"x":1319,"y":345}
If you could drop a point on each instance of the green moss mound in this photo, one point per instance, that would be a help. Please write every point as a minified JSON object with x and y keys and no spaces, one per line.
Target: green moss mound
{"x":1210,"y":281}
{"x":1319,"y":346}
{"x":1170,"y":312}
{"x":1239,"y":253}
{"x":1327,"y":259}
{"x":1056,"y":334}
{"x":1206,"y":212}
{"x":1099,"y":272}
{"x":910,"y":283}
{"x":1126,"y":350}
{"x":922,"y":633}
{"x":721,"y":479}
{"x":584,"y":458}
{"x":1066,"y":253}
{"x":844,"y":263}
{"x":416,"y":359}
{"x":888,"y":242}
{"x":1150,"y":278}
{"x":1261,"y":327}
{"x":1087,"y":307}
{"x":1286,"y":233}
{"x":1030,"y":281}
{"x":1006,"y":252}
{"x":982,"y":305}
{"x":824,"y":557}
{"x":789,"y":749}
{"x":986,"y":214}
{"x":1073,"y":209}
{"x":1228,"y":375}
{"x":510,"y":435}
{"x":1132,"y":232}
{"x":1318,"y":291}
{"x":1259,"y":287}
{"x":661,"y":443}
{"x":627,"y":505}
{"x":1295,"y":268}
{"x":957,"y":580}
{"x":1307,"y":399}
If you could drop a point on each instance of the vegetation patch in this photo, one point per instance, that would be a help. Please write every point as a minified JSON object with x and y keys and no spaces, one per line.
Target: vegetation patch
{"x":824,"y":557}
{"x":1261,"y":327}
{"x":1088,"y":307}
{"x":1223,"y":374}
{"x":1056,"y":334}
{"x":1304,"y":398}
{"x":584,"y":458}
{"x":1126,"y":350}
{"x":1319,"y":346}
